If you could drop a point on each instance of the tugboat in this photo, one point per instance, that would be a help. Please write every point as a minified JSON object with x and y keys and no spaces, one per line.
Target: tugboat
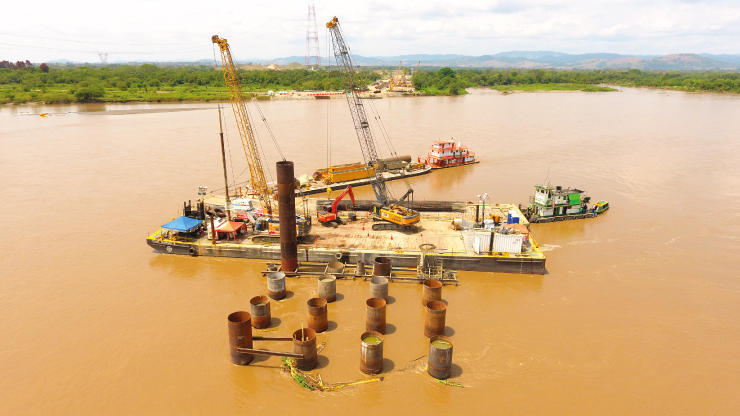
{"x":447,"y":153}
{"x":555,"y":203}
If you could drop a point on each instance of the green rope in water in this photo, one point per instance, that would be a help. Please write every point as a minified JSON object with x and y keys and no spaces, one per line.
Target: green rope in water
{"x":450,"y":383}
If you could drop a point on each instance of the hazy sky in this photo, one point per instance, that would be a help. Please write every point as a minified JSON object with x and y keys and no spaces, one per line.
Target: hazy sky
{"x":42,"y":30}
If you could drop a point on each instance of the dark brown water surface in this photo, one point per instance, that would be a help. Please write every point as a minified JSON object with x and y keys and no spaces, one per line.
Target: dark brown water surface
{"x":639,"y":312}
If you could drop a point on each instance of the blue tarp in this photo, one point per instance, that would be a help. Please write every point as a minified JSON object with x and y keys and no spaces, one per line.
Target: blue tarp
{"x":182,"y":224}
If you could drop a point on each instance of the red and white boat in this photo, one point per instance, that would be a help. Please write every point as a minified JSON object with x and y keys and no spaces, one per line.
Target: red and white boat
{"x":447,"y":153}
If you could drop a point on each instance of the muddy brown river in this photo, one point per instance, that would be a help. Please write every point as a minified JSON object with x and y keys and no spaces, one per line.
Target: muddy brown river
{"x":638,"y":313}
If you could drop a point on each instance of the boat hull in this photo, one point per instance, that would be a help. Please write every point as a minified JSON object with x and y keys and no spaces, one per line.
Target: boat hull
{"x":435,"y":167}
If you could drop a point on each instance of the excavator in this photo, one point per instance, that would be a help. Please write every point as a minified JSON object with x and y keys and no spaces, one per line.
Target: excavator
{"x":269,"y":221}
{"x":390,"y":215}
{"x":328,"y":215}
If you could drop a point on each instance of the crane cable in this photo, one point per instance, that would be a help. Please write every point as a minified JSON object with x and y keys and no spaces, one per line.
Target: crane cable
{"x":222,"y":121}
{"x":264,"y":120}
{"x":328,"y":105}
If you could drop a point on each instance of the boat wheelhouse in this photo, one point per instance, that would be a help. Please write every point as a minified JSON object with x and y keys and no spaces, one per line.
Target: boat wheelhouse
{"x":555,"y":203}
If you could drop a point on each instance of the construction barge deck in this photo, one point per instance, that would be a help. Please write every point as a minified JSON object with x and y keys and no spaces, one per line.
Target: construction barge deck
{"x":355,"y":241}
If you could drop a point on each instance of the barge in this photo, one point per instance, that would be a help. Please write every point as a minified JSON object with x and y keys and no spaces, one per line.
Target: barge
{"x":457,"y":242}
{"x":358,"y":174}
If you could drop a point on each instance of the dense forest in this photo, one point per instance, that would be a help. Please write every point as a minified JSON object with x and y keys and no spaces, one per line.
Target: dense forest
{"x":22,"y":82}
{"x":446,"y":81}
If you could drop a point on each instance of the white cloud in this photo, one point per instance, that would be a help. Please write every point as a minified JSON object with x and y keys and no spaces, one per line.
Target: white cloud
{"x":169,"y":30}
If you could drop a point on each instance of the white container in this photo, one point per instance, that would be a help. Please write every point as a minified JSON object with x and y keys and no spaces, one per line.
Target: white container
{"x":482,"y":242}
{"x":508,"y":243}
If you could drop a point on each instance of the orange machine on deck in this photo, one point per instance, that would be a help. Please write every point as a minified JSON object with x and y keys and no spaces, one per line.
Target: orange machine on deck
{"x":326,"y":216}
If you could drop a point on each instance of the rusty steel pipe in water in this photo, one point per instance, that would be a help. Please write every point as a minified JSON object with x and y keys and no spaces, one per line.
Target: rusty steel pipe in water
{"x":240,"y":336}
{"x":328,"y":287}
{"x":360,"y":270}
{"x":379,"y":288}
{"x":259,"y":306}
{"x":371,"y":352}
{"x":376,"y":315}
{"x":318,"y":316}
{"x":434,"y":321}
{"x":432,"y":291}
{"x":304,"y":343}
{"x":382,"y":267}
{"x":276,"y":285}
{"x":439,"y":361}
{"x":286,"y":216}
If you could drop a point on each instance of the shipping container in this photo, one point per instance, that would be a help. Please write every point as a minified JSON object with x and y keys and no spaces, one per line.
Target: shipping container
{"x":482,"y":242}
{"x":508,"y":243}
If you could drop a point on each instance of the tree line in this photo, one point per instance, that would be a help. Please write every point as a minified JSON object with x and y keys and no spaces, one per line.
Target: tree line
{"x":447,"y":81}
{"x":22,"y":82}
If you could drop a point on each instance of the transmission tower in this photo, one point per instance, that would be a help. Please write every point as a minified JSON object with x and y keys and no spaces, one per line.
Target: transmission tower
{"x":103,"y":58}
{"x":313,"y":55}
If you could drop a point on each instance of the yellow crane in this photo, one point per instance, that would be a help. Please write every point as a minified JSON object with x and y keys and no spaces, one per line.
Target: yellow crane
{"x":249,"y":143}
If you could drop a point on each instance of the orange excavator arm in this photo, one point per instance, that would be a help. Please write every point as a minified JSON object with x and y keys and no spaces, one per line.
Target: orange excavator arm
{"x":339,"y":198}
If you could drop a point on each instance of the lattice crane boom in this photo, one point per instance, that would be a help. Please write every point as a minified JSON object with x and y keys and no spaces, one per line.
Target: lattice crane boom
{"x":357,"y":109}
{"x":249,"y":140}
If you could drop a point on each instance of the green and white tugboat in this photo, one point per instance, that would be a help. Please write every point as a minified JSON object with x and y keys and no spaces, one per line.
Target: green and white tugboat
{"x":555,"y":203}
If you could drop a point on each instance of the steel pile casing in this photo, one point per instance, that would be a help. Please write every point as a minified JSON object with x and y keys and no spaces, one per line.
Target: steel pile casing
{"x":306,"y":348}
{"x":379,"y":288}
{"x":259,"y":307}
{"x":240,"y":336}
{"x":434,"y":320}
{"x":276,"y":285}
{"x":286,"y":216}
{"x":376,"y":315}
{"x":432,"y":291}
{"x":335,"y":267}
{"x":328,"y":287}
{"x":360,"y":270}
{"x":439,"y":361}
{"x":382,"y":267}
{"x":318,"y":317}
{"x":371,"y":356}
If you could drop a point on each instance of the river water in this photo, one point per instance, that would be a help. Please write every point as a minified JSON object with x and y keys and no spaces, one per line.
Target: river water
{"x":639,"y":312}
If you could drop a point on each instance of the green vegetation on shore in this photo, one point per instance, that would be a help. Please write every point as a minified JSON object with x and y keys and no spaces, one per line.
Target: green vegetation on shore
{"x":150,"y":83}
{"x":434,"y":82}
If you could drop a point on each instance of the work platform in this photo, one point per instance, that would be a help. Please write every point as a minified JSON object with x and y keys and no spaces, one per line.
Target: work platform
{"x":355,"y":241}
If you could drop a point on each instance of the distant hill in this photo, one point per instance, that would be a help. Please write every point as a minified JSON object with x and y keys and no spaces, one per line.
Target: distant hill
{"x":511,"y":59}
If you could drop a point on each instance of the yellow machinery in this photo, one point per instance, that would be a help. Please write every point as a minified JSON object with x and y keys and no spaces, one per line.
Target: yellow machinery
{"x":392,"y":215}
{"x":249,"y":143}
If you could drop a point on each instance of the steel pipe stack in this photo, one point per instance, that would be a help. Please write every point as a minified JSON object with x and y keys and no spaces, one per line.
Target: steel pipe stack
{"x":439,"y":363}
{"x":376,"y":313}
{"x":276,"y":285}
{"x":304,"y":342}
{"x":371,"y":354}
{"x":432,"y":291}
{"x":318,"y":317}
{"x":434,"y":322}
{"x":286,"y":216}
{"x":328,"y":287}
{"x":379,"y":288}
{"x":260,"y":309}
{"x":240,"y":336}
